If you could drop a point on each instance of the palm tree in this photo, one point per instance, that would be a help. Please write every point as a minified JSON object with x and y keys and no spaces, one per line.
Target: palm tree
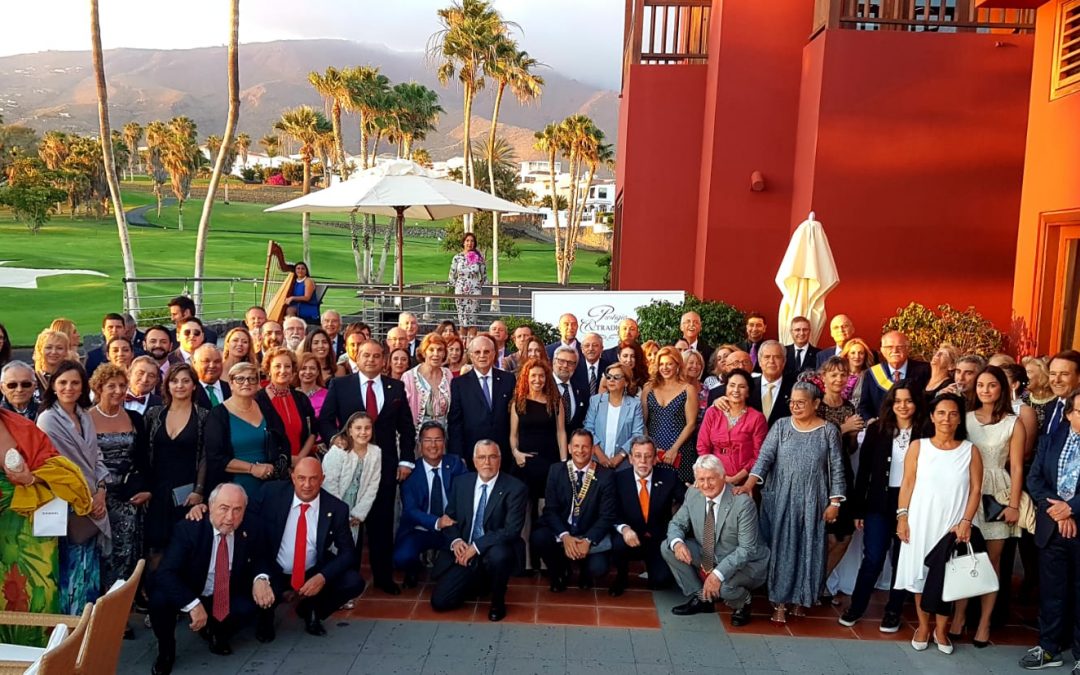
{"x":422,"y":157}
{"x":333,"y":85}
{"x":305,"y":125}
{"x":157,"y":135}
{"x":511,"y":67}
{"x":226,"y":154}
{"x":178,"y":157}
{"x":243,"y":145}
{"x":549,"y":141}
{"x":471,"y":30}
{"x":583,"y":144}
{"x":367,"y":89}
{"x":133,"y":133}
{"x":271,"y":144}
{"x":107,"y":156}
{"x":54,"y":149}
{"x":416,"y":112}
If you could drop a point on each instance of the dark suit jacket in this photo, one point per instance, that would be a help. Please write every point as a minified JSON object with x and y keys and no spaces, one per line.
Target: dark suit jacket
{"x":175,"y":357}
{"x":825,"y":354}
{"x":579,"y":373}
{"x":601,"y":366}
{"x":182,"y":574}
{"x":918,"y":374}
{"x":705,"y":349}
{"x":780,"y":407}
{"x":470,"y":419}
{"x":415,"y":496}
{"x":666,"y":495}
{"x":809,"y":359}
{"x":338,"y":345}
{"x":504,"y":516}
{"x":333,"y":530}
{"x":393,"y":431}
{"x":575,"y":418}
{"x":96,"y":357}
{"x":611,"y":355}
{"x":598,"y":511}
{"x":1042,"y":484}
{"x":203,"y":399}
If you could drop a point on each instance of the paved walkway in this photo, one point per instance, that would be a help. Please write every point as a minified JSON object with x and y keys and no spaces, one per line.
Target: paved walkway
{"x":699,"y":644}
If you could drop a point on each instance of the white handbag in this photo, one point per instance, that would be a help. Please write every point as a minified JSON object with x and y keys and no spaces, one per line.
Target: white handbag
{"x":968,"y":576}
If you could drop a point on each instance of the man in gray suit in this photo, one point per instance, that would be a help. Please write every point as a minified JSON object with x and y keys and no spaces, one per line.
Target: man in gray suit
{"x":737,"y":562}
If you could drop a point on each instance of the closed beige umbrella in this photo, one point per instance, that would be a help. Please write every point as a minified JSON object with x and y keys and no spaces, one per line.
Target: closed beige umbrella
{"x":806,"y":275}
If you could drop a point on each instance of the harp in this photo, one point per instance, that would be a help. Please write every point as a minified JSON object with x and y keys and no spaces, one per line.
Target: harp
{"x":278,"y":279}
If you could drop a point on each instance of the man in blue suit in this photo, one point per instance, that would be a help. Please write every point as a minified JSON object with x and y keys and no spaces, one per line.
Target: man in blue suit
{"x":568,"y":328}
{"x":646,"y":498}
{"x":480,"y":404}
{"x":423,"y":502}
{"x":1052,"y":484}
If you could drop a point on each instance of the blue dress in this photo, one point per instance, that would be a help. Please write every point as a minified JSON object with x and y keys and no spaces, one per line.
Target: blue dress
{"x":249,"y":445}
{"x":308,"y":311}
{"x":665,"y":424}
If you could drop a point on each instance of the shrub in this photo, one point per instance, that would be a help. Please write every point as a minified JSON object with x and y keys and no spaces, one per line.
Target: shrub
{"x":720,"y":322}
{"x":544,"y":331}
{"x":276,"y":179}
{"x":293,"y":172}
{"x":967,"y":330}
{"x":604,"y":262}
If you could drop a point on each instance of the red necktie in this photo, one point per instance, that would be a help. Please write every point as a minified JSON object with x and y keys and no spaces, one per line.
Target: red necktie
{"x":221,"y":580}
{"x":371,"y":404}
{"x":299,"y":558}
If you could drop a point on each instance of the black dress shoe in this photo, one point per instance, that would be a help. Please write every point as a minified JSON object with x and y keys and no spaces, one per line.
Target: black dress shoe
{"x":741,"y":616}
{"x":389,"y":587}
{"x":410,"y":580}
{"x":313,"y":626}
{"x":558,"y":584}
{"x":693,"y":606}
{"x":219,"y":645}
{"x":162,"y":665}
{"x":264,"y":631}
{"x":497,"y":612}
{"x":617,"y":588}
{"x":585,"y":582}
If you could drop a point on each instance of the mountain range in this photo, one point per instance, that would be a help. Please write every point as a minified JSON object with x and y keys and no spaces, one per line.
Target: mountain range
{"x":54,"y":90}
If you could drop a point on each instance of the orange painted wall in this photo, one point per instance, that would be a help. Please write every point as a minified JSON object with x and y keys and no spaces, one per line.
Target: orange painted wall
{"x":1051,"y":177}
{"x":751,"y":112}
{"x":911,"y":152}
{"x":659,"y":150}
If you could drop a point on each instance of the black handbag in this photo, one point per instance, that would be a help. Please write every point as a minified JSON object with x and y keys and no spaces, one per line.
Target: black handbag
{"x":992,"y":509}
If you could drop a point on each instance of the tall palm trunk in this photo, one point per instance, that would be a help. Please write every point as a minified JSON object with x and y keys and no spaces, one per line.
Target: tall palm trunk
{"x":467,"y":169}
{"x":305,"y":218}
{"x":555,"y":213}
{"x":363,"y":141}
{"x":110,"y":165}
{"x":339,"y":146}
{"x":354,"y":240}
{"x":226,"y":143}
{"x":491,"y":186}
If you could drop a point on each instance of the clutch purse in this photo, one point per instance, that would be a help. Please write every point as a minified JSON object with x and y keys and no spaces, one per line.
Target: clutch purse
{"x":992,"y":509}
{"x":968,"y":576}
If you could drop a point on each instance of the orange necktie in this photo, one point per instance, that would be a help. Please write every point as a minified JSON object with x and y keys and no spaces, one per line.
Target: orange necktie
{"x":643,"y":497}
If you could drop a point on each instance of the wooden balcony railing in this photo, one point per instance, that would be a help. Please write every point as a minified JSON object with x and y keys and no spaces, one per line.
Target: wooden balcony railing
{"x":943,"y":16}
{"x":663,"y":32}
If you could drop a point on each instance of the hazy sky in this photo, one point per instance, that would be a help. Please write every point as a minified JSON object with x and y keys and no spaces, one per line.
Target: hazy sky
{"x":579,"y":38}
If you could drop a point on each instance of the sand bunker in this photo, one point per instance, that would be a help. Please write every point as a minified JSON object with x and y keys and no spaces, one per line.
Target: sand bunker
{"x":27,"y":277}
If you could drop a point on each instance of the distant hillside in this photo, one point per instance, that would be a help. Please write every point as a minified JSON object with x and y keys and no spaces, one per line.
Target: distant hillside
{"x":55,"y":90}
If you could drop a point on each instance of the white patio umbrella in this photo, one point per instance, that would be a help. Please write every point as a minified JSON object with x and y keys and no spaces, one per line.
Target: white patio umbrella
{"x":806,"y":275}
{"x":400,"y":188}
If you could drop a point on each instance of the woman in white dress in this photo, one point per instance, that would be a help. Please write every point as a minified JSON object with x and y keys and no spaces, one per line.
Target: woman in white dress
{"x":993,"y":428}
{"x":941,"y":492}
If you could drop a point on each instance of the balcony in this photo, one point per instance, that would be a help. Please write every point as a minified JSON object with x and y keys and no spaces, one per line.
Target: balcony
{"x":666,"y":32}
{"x":940,"y":16}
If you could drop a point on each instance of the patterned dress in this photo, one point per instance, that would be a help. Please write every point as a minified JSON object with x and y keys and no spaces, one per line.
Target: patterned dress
{"x":467,"y":278}
{"x":125,"y":519}
{"x":665,"y":424}
{"x":426,"y":402}
{"x":845,"y":523}
{"x":993,"y":442}
{"x":799,"y":471}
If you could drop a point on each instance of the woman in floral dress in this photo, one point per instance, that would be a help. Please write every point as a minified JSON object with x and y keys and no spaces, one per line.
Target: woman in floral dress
{"x":468,"y":274}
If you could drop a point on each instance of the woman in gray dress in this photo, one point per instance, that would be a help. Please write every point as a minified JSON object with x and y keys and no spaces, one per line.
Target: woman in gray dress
{"x":801,"y":460}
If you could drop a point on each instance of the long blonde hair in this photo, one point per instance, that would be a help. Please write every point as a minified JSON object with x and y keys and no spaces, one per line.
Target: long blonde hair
{"x":39,"y":346}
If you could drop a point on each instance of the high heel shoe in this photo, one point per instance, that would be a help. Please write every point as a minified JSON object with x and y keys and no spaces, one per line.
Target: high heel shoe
{"x":959,"y":635}
{"x":944,"y":649}
{"x":779,"y":615}
{"x":980,"y":644}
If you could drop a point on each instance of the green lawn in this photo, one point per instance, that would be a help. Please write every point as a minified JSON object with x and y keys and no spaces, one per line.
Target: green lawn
{"x":237,"y":249}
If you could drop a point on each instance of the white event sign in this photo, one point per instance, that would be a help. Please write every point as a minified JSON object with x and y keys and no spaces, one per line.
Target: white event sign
{"x":597,"y":311}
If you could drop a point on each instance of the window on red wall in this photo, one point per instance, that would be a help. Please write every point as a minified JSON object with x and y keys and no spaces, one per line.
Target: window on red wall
{"x":1065,"y":78}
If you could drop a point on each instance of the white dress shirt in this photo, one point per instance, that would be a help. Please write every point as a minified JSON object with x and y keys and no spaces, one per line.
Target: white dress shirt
{"x":637,"y":489}
{"x":135,"y":406}
{"x":380,"y":395}
{"x":288,"y":538}
{"x":569,"y":390}
{"x":902,"y":370}
{"x":716,"y":533}
{"x":216,"y":387}
{"x":476,"y":505}
{"x":208,"y":587}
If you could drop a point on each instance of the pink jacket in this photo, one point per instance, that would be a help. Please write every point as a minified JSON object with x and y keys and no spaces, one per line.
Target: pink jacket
{"x":737,"y":448}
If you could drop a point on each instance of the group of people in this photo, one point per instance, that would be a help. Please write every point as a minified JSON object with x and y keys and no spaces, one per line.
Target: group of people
{"x":725,"y":470}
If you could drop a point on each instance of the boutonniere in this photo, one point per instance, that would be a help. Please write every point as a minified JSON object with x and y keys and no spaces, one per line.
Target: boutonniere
{"x":243,"y":534}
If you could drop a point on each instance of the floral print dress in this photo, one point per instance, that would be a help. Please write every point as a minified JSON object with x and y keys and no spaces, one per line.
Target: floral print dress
{"x":468,"y":274}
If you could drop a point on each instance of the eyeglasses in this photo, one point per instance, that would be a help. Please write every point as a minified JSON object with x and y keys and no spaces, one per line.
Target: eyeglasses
{"x":245,"y":379}
{"x":191,"y":332}
{"x":432,"y":441}
{"x":794,"y":403}
{"x":614,"y":377}
{"x":565,"y":362}
{"x":12,"y":386}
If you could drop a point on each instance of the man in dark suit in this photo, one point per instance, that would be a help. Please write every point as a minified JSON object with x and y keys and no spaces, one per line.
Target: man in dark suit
{"x":730,"y":566}
{"x":215,"y":570}
{"x":143,"y":380}
{"x":487,"y":513}
{"x":182,"y":310}
{"x":568,"y":328}
{"x":841,"y":329}
{"x":190,"y":335}
{"x":579,"y":512}
{"x":690,"y":325}
{"x":312,"y":551}
{"x":646,"y":499}
{"x":331,"y":323}
{"x":628,"y":332}
{"x":423,"y":502}
{"x":211,"y":391}
{"x":574,"y":392}
{"x":801,"y":355}
{"x":521,"y":336}
{"x":112,"y":326}
{"x":393,"y":431}
{"x":895,"y":366}
{"x":158,"y":344}
{"x":769,"y":394}
{"x":480,"y":403}
{"x":408,"y":323}
{"x":1052,"y":484}
{"x":755,"y":337}
{"x":592,"y":351}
